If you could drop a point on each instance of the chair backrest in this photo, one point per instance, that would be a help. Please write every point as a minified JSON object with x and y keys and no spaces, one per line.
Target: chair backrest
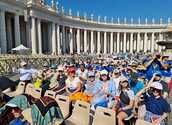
{"x":142,"y":122}
{"x":64,"y":104}
{"x":50,"y":93}
{"x":81,"y":112}
{"x":141,"y":111}
{"x":20,"y":88}
{"x":29,"y":88}
{"x":36,"y":92}
{"x":104,"y":116}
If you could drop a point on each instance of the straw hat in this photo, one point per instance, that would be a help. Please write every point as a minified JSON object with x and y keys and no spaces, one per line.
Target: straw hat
{"x":123,"y":79}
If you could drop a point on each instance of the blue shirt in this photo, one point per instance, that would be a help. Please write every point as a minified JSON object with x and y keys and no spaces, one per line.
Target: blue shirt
{"x":157,"y":106}
{"x":139,"y":86}
{"x":111,"y":87}
{"x":18,"y":122}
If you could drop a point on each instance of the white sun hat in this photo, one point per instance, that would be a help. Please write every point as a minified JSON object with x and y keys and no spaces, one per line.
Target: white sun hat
{"x":156,"y":85}
{"x":11,"y":105}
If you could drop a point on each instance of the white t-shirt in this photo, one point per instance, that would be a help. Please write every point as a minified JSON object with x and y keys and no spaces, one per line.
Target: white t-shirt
{"x":72,"y":84}
{"x":26,"y":74}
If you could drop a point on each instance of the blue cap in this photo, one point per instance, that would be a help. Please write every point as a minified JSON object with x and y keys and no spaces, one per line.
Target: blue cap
{"x":158,"y":73}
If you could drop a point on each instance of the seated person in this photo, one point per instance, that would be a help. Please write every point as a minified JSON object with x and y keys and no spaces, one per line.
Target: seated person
{"x":156,"y":106}
{"x":104,"y":91}
{"x":135,"y":84}
{"x":73,"y":84}
{"x":158,"y":78}
{"x":57,"y":82}
{"x":125,"y":105}
{"x":90,"y":84}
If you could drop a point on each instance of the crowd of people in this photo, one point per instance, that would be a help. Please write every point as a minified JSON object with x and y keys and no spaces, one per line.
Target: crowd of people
{"x":122,"y":83}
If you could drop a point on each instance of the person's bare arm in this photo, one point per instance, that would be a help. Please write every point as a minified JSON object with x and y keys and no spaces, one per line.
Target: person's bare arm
{"x":146,"y":87}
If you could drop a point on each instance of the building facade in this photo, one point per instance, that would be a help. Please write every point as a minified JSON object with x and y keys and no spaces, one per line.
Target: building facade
{"x":48,"y":30}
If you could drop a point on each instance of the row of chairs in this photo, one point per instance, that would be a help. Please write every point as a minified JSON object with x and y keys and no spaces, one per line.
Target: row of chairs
{"x":81,"y":112}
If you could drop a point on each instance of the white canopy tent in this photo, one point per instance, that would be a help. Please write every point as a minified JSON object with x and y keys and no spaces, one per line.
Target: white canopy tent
{"x":21,"y":49}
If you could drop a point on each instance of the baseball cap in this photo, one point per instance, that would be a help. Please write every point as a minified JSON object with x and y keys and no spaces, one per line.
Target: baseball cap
{"x":91,"y":74}
{"x":103,"y":72}
{"x":156,"y":85}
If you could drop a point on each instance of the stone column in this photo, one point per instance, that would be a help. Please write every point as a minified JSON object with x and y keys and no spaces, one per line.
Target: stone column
{"x":131,"y":42}
{"x":145,"y":42}
{"x":98,"y":42}
{"x":58,"y":40}
{"x":17,"y":30}
{"x":39,"y":36}
{"x":85,"y":40}
{"x":71,"y":40}
{"x":105,"y":42}
{"x":156,"y":39}
{"x":3,"y":40}
{"x":138,"y":42}
{"x":63,"y":40}
{"x":111,"y":42}
{"x":118,"y":42}
{"x":124,"y":41}
{"x":160,"y":39}
{"x":54,"y":39}
{"x":153,"y":43}
{"x":92,"y":41}
{"x":78,"y":41}
{"x":33,"y":36}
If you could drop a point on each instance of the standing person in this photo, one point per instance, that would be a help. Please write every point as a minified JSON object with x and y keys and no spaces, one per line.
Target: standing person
{"x":156,"y":106}
{"x":126,"y":103}
{"x":25,"y":73}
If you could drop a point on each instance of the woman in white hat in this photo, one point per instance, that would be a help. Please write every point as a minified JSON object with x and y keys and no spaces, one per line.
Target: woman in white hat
{"x":156,"y":106}
{"x":104,"y":90}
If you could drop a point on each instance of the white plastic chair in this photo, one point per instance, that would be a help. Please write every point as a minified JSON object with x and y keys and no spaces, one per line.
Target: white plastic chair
{"x":64,"y":104}
{"x":20,"y":90}
{"x":50,"y":93}
{"x":80,"y":114}
{"x":104,"y":116}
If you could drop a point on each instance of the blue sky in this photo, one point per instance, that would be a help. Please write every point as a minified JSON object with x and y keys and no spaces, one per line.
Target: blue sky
{"x":121,"y":8}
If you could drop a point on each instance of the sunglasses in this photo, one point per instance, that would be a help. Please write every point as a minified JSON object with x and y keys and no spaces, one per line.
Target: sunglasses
{"x":156,"y":90}
{"x":91,"y":77}
{"x":72,"y":72}
{"x":60,"y":71}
